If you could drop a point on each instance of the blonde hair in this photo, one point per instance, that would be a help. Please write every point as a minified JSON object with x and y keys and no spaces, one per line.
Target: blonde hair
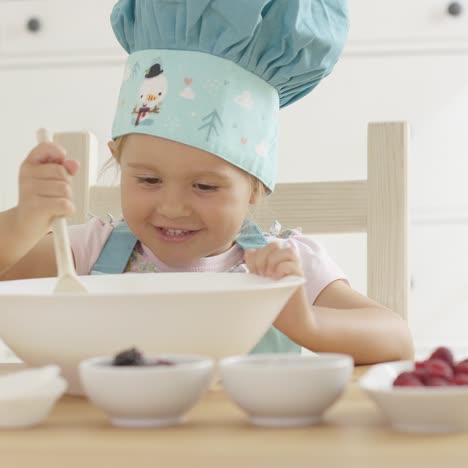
{"x":114,"y":161}
{"x":256,"y":185}
{"x":119,"y":142}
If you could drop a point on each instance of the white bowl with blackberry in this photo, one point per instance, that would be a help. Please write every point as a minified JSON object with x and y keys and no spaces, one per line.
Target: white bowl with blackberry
{"x":146,"y":391}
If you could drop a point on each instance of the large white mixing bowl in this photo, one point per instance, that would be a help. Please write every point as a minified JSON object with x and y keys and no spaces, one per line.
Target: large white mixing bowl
{"x":212,"y":314}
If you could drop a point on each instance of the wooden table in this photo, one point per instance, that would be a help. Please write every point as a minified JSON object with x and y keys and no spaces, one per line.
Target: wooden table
{"x":217,"y":434}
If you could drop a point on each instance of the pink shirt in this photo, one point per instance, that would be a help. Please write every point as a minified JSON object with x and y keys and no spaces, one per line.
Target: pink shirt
{"x":88,"y":240}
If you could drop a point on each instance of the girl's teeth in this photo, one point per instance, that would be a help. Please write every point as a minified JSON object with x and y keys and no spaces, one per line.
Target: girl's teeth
{"x":173,"y":232}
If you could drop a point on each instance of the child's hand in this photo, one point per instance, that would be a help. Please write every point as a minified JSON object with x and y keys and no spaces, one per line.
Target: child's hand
{"x":45,"y":187}
{"x":274,"y":261}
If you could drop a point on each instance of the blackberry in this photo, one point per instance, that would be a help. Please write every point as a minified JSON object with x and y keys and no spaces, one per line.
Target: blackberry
{"x":129,"y":357}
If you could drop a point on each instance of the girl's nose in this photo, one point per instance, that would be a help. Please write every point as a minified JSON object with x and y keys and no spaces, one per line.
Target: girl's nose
{"x":172,"y":204}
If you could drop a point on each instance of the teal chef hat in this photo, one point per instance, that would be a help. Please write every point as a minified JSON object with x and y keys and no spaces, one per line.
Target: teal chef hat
{"x":213,"y":74}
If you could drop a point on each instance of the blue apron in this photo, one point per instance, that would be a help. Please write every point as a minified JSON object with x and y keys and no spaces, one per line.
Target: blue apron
{"x":119,"y":247}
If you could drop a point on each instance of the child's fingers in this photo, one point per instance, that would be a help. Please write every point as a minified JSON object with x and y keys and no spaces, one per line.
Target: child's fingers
{"x":71,"y":166}
{"x":45,"y":183}
{"x":46,"y":153}
{"x":287,"y":268}
{"x":274,"y":260}
{"x":253,"y":261}
{"x":268,"y":256}
{"x":48,"y":171}
{"x":249,"y":258}
{"x":53,"y":189}
{"x":55,"y":206}
{"x":278,"y":255}
{"x":258,"y":260}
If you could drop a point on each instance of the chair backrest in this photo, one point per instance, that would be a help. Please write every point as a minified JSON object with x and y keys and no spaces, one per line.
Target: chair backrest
{"x":377,"y":205}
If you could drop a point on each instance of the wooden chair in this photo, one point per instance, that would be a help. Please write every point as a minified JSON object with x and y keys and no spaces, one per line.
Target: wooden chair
{"x":377,"y":206}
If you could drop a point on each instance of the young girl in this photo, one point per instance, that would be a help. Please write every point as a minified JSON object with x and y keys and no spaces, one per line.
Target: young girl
{"x":195,"y":136}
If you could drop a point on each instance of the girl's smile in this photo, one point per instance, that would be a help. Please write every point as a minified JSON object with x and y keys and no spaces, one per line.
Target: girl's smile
{"x":175,"y":235}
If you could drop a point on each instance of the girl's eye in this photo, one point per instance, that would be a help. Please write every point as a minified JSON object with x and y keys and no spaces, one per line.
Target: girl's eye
{"x":205,"y":187}
{"x":148,"y":180}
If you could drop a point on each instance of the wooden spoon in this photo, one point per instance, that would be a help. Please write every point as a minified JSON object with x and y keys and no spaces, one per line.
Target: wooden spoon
{"x":68,"y":281}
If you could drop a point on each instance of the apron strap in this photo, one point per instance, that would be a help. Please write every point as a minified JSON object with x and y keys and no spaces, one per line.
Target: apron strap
{"x":116,"y":252}
{"x":250,"y":236}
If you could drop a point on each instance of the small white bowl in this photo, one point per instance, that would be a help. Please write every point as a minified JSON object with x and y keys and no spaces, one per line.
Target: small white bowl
{"x":415,"y":409}
{"x":285,"y":389}
{"x":146,"y":396}
{"x":31,"y":410}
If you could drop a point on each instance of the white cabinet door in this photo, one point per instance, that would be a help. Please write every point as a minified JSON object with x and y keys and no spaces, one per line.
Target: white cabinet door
{"x":403,"y":23}
{"x":59,"y":26}
{"x":323,"y":136}
{"x":69,"y":98}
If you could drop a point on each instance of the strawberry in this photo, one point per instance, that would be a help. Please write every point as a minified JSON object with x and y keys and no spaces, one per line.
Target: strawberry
{"x":461,"y":367}
{"x":420,"y":370}
{"x":437,"y":382}
{"x":407,"y":379}
{"x":439,"y":368}
{"x":460,"y":379}
{"x":443,"y":353}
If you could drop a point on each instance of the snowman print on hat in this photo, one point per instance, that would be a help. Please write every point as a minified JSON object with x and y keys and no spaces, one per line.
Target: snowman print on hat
{"x":151,"y":94}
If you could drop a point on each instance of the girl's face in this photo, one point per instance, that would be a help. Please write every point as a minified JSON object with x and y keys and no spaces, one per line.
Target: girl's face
{"x":181,"y":202}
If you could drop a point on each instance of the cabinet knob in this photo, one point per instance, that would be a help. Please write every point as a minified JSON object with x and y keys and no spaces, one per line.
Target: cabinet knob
{"x":34,"y":25}
{"x":455,"y":9}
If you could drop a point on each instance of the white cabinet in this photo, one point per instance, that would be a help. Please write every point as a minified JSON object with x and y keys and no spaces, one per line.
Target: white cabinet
{"x":47,"y":27}
{"x":65,"y":75}
{"x":400,"y":24}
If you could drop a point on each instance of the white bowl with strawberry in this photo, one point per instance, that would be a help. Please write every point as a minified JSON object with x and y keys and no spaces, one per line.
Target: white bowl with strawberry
{"x":424,"y":396}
